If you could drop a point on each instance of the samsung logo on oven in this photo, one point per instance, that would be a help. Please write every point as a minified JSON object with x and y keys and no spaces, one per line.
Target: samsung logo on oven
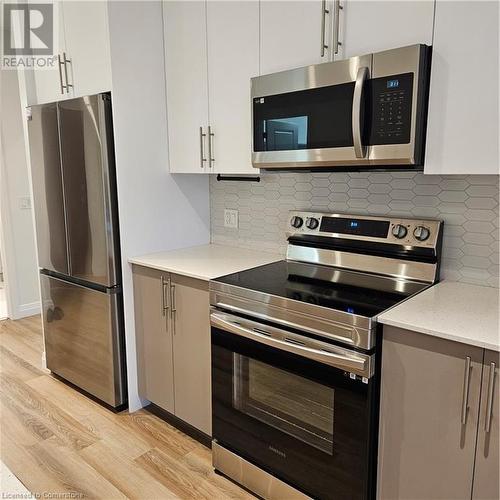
{"x":282,"y":454}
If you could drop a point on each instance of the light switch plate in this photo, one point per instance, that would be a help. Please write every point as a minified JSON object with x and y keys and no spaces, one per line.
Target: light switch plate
{"x":25,"y":203}
{"x":231,"y":218}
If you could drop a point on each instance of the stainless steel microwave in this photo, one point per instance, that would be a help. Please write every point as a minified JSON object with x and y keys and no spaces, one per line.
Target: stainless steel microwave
{"x":368,"y":111}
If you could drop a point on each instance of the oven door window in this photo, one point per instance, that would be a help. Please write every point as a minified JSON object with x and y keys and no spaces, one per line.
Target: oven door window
{"x":292,"y":404}
{"x":305,"y":422}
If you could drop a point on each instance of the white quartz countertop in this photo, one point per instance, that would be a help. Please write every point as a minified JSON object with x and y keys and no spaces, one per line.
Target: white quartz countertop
{"x":206,"y":262}
{"x":450,"y":310}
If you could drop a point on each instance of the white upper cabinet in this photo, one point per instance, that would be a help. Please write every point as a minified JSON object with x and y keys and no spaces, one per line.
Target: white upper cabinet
{"x":87,"y":46}
{"x":82,"y":64}
{"x":46,"y":85}
{"x":211,"y":52}
{"x":233,"y":58}
{"x":187,"y":85}
{"x":462,"y":132}
{"x":372,"y":26}
{"x":298,"y":33}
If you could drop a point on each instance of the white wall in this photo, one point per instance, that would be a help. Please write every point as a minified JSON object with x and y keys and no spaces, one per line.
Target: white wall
{"x":20,"y":268}
{"x":158,"y":211}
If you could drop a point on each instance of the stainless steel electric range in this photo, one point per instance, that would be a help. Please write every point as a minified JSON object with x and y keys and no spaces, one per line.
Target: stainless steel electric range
{"x":296,"y":353}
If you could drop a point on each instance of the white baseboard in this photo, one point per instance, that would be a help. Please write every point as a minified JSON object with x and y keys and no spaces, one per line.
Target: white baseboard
{"x":25,"y":310}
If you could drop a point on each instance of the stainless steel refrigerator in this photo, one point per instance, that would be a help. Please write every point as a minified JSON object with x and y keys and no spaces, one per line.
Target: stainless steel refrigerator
{"x":74,"y":187}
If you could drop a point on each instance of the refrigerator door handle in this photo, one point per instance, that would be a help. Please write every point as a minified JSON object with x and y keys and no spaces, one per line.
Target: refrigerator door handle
{"x":112,"y":245}
{"x":63,"y":191}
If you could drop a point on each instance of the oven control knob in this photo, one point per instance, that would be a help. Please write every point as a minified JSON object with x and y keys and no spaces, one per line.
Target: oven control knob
{"x":399,"y":231}
{"x":421,"y":233}
{"x":312,"y":223}
{"x":296,"y":221}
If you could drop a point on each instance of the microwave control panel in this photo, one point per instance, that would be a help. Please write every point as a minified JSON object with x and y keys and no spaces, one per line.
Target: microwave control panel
{"x":391,"y":103}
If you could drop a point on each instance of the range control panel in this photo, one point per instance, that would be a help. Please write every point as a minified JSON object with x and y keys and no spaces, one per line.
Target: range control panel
{"x":391,"y":109}
{"x":402,"y":231}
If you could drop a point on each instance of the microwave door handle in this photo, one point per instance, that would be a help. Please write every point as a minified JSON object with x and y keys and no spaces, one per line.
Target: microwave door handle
{"x":352,"y":363}
{"x":357,"y":133}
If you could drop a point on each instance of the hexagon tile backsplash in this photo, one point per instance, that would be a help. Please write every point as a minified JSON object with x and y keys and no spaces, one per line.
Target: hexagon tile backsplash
{"x":467,"y":204}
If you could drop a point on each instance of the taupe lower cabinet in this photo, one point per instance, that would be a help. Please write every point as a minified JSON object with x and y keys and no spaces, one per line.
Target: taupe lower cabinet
{"x":173,"y":344}
{"x":434,"y":406}
{"x":486,"y":472}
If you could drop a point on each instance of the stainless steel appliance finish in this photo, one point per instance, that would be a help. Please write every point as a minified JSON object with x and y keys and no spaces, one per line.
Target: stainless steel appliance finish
{"x":72,"y":162}
{"x":47,"y":178}
{"x":387,"y":272}
{"x":82,"y":332}
{"x":360,"y":72}
{"x":74,"y":200}
{"x":252,"y":477}
{"x":347,"y":328}
{"x":402,"y":231}
{"x":88,"y":196}
{"x":322,"y":352}
{"x":295,"y":374}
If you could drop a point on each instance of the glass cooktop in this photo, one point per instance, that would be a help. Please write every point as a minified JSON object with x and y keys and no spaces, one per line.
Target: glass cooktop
{"x":348,"y":291}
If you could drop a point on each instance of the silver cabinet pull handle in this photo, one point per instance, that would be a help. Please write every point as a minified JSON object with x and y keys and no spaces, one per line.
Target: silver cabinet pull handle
{"x":60,"y":63}
{"x":324,"y":12}
{"x":465,"y":393}
{"x":336,"y":42}
{"x":164,"y":306}
{"x":211,"y":159}
{"x":361,"y":77}
{"x":491,"y":393}
{"x":66,"y":61}
{"x":173,"y":308}
{"x":202,"y":148}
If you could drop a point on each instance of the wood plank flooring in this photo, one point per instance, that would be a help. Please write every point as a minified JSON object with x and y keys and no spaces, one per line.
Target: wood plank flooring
{"x":58,"y":442}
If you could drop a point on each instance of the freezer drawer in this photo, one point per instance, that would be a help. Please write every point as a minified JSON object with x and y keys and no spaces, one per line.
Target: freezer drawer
{"x":83,"y":338}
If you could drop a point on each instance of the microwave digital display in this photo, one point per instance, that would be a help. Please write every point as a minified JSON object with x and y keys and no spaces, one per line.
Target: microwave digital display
{"x":392,"y":84}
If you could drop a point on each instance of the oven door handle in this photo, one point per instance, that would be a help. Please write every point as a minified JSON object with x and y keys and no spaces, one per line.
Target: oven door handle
{"x":357,"y":133}
{"x":334,"y":356}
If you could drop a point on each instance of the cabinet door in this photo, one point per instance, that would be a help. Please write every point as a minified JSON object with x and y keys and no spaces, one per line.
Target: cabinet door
{"x":87,"y":46}
{"x":45,"y":85}
{"x":187,"y":85}
{"x":462,"y":131}
{"x":191,"y":334}
{"x":154,"y":340}
{"x":291,"y":34}
{"x":425,"y":451}
{"x":487,"y":462}
{"x":372,"y":26}
{"x":233,"y":58}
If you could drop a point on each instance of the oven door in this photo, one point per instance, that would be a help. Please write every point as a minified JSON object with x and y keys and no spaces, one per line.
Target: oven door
{"x":304,"y":421}
{"x":311,"y":116}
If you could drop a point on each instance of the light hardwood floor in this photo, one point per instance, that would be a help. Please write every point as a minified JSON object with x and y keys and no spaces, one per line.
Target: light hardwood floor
{"x":57,"y":441}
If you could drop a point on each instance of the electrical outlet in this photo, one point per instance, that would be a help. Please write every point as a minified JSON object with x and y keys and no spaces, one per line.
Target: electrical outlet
{"x":25,"y":203}
{"x":231,"y":218}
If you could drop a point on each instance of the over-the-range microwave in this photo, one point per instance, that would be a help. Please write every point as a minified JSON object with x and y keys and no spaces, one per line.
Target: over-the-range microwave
{"x":364,"y":112}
